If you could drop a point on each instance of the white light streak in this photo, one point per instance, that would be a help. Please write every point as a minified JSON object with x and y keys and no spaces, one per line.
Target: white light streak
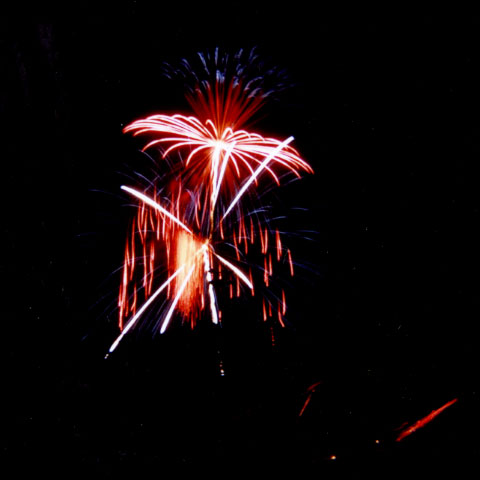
{"x":211,"y":290}
{"x":155,"y":205}
{"x":132,"y":321}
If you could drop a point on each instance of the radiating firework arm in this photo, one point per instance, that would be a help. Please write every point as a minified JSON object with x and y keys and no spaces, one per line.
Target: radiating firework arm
{"x":215,"y":160}
{"x":134,"y":319}
{"x":218,"y":184}
{"x":236,"y":270}
{"x":155,"y":205}
{"x":257,"y":172}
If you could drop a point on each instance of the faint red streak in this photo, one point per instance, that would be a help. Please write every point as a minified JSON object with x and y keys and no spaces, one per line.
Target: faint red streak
{"x":423,"y":421}
{"x":310,"y":390}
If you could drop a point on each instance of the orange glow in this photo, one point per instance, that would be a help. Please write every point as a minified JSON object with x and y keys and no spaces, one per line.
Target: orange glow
{"x":186,"y":249}
{"x":134,"y":303}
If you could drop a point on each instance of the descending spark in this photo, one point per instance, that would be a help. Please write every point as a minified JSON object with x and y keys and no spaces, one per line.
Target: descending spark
{"x":311,"y":391}
{"x":211,"y":291}
{"x":307,"y":401}
{"x":237,"y":271}
{"x":423,"y":421}
{"x":188,"y":252}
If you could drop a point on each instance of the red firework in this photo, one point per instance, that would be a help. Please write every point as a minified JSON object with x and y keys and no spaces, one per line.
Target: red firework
{"x":200,"y":207}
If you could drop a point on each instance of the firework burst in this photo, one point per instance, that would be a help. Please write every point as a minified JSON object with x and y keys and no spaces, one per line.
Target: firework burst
{"x":183,"y":226}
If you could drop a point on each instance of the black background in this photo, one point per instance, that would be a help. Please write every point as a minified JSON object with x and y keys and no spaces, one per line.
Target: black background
{"x":384,"y":107}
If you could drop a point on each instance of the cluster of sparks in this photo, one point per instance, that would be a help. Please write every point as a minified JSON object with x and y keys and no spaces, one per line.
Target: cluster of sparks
{"x":183,"y":226}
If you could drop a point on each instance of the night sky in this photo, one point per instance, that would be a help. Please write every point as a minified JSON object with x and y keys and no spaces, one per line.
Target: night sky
{"x":383,"y":310}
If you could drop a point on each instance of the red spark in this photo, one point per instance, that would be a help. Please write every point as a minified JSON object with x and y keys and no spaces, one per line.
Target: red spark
{"x":423,"y":421}
{"x":307,"y":401}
